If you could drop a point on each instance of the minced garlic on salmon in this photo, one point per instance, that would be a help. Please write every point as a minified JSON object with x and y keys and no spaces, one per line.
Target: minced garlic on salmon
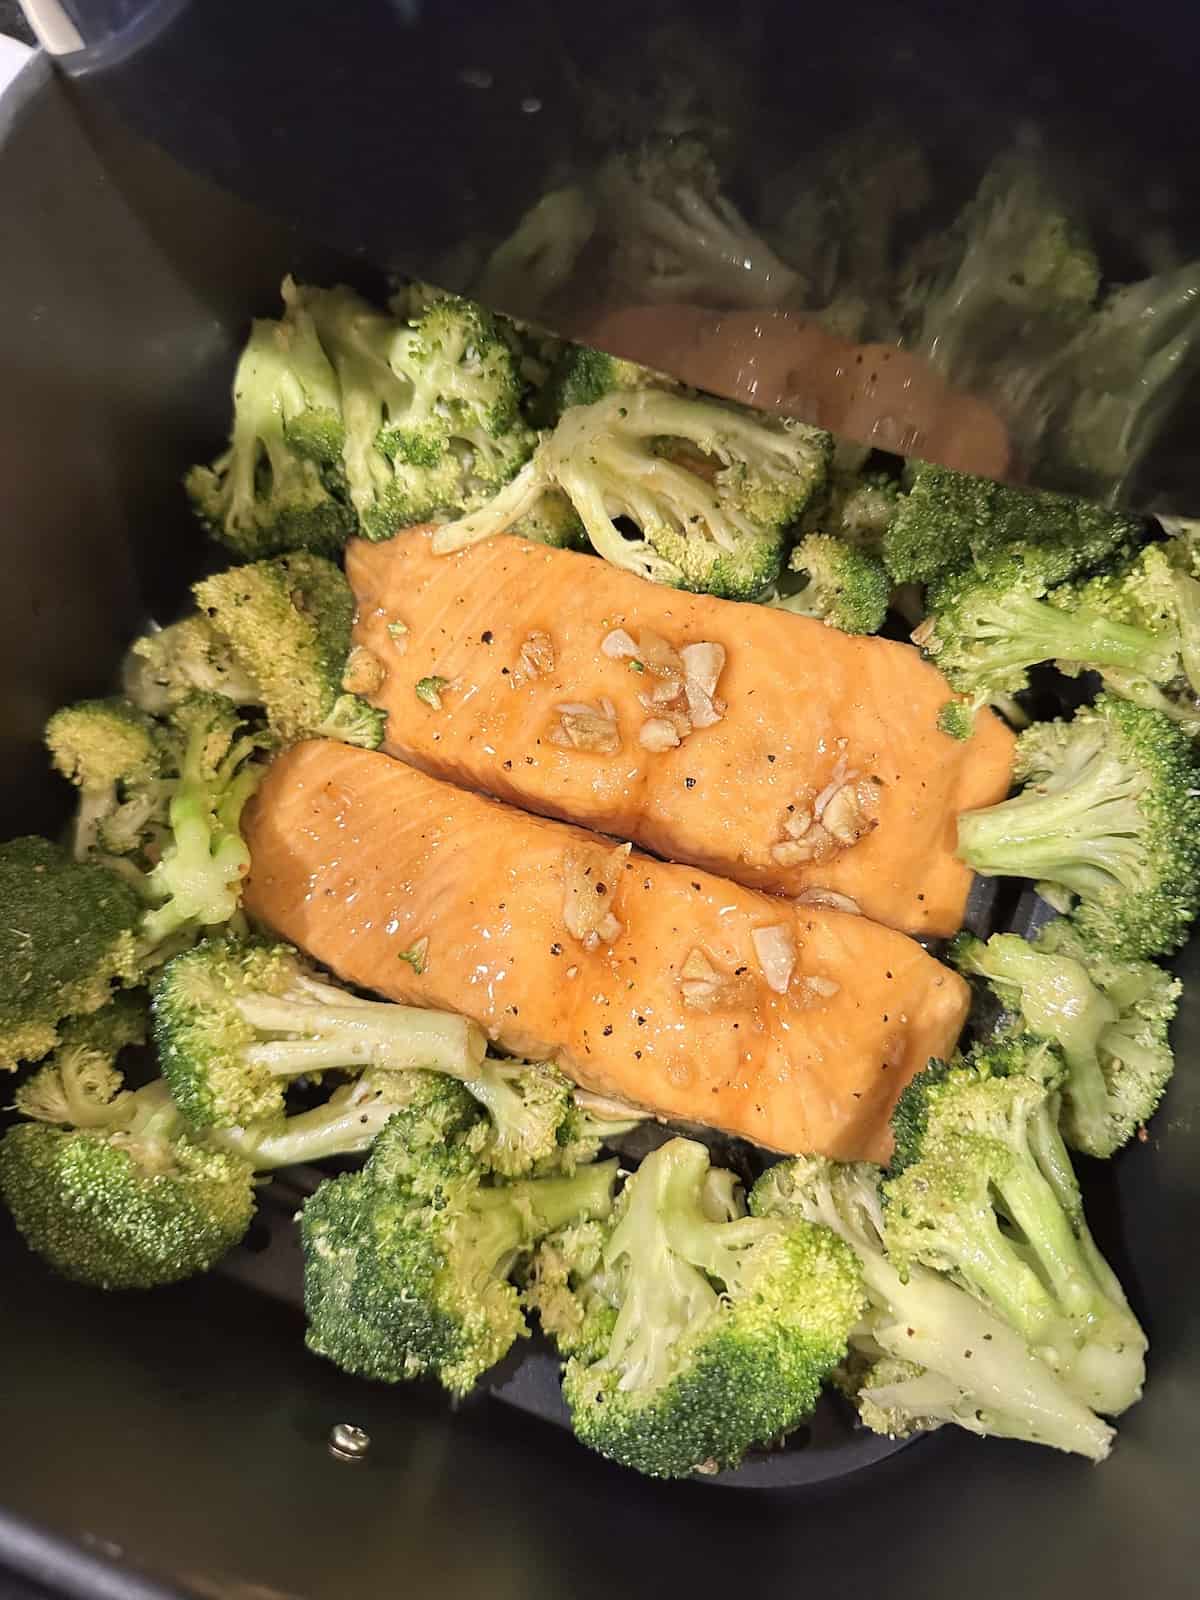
{"x":760,"y":745}
{"x":795,"y":1026}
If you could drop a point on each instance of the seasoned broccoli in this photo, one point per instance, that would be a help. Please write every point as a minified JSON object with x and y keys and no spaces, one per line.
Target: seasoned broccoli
{"x":69,"y":933}
{"x":676,"y":236}
{"x":989,"y":622}
{"x":79,"y":1084}
{"x":710,"y":489}
{"x":1110,"y":812}
{"x":235,"y":1023}
{"x":539,"y":256}
{"x":287,"y":625}
{"x":121,"y":1198}
{"x":431,"y":407}
{"x":101,"y":746}
{"x":278,"y":486}
{"x":1109,"y":1018}
{"x":163,"y":667}
{"x":927,"y":1352}
{"x":947,"y":519}
{"x":840,"y":585}
{"x":981,"y":1188}
{"x":553,"y":521}
{"x":857,"y":508}
{"x":407,"y":1263}
{"x":197,"y":878}
{"x":724,"y":1330}
{"x":580,"y":376}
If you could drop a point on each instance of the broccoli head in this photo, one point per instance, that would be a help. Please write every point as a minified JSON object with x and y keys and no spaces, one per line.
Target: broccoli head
{"x":431,"y":406}
{"x":1110,"y":813}
{"x":710,"y":489}
{"x":981,"y":1189}
{"x":947,"y":519}
{"x":579,"y":376}
{"x":840,"y":585}
{"x":286,"y":624}
{"x":926,"y":1351}
{"x":407,"y":1263}
{"x":69,"y":934}
{"x":163,"y":667}
{"x":278,"y":486}
{"x":101,"y":746}
{"x":723,"y":1332}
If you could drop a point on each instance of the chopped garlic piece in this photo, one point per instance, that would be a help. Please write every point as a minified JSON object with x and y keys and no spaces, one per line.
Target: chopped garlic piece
{"x":618,"y":644}
{"x":703,"y":664}
{"x":831,"y":898}
{"x":825,"y":987}
{"x":658,"y":734}
{"x":590,"y":880}
{"x":535,"y":659}
{"x":775,"y":948}
{"x":847,"y":814}
{"x":584,"y":727}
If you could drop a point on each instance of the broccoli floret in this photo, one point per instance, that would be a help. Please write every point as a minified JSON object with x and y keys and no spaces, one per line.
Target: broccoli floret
{"x":278,"y":485}
{"x":927,"y":1352}
{"x":956,"y":719}
{"x":123,"y":1200}
{"x":981,"y":1188}
{"x":1109,"y":1018}
{"x":287,"y":624}
{"x":68,"y":934}
{"x":553,"y":521}
{"x":196,"y":881}
{"x":723,"y":1333}
{"x":235,"y":1022}
{"x":539,"y":256}
{"x":1014,"y":262}
{"x":407,"y":1263}
{"x":163,"y":667}
{"x":988,"y":623}
{"x":947,"y":519}
{"x":710,"y":489}
{"x":1110,"y":812}
{"x":100,"y":746}
{"x":574,"y":1296}
{"x":858,"y":508}
{"x":580,"y":376}
{"x":431,"y":407}
{"x":678,"y":237}
{"x":839,"y":585}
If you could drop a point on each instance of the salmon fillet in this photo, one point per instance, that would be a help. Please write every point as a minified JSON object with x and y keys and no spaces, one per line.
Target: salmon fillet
{"x":803,"y":705}
{"x":800,"y":1041}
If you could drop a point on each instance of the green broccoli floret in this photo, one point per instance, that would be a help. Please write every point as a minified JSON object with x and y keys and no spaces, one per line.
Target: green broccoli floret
{"x":632,"y":454}
{"x":197,"y":879}
{"x":580,"y":376}
{"x":287,"y":625}
{"x":947,"y":519}
{"x":858,"y":508}
{"x":122,"y":1199}
{"x":1110,"y":812}
{"x":68,"y":934}
{"x":278,"y":485}
{"x":981,"y":1188}
{"x":927,"y":1352}
{"x":164,"y":666}
{"x":989,"y":622}
{"x":574,"y":1296}
{"x":839,"y":585}
{"x":724,"y":1330}
{"x":101,"y":746}
{"x":678,"y":237}
{"x":553,"y":521}
{"x":407,"y":1263}
{"x":235,"y":1022}
{"x":1110,"y":1019}
{"x":431,"y":407}
{"x":956,"y":719}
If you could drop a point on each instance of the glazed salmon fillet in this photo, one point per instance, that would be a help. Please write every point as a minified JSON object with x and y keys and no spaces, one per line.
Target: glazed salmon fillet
{"x":812,"y":761}
{"x":700,"y":1000}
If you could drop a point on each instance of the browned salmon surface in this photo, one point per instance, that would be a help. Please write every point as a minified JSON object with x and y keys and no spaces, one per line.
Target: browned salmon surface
{"x":793,"y":1026}
{"x":821,"y":767}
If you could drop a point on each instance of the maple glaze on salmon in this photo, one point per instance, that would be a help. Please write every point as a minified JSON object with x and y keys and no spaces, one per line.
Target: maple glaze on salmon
{"x":793,"y":1026}
{"x":518,"y":633}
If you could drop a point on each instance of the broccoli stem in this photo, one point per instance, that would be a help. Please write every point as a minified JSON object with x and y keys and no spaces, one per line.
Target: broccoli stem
{"x":517,"y":497}
{"x":347,"y":1125}
{"x":367,"y":1033}
{"x":1019,"y":631}
{"x":1082,"y":835}
{"x":505,"y":1218}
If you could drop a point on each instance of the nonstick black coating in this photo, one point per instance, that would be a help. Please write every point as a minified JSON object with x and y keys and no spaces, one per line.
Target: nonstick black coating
{"x":184,"y":1433}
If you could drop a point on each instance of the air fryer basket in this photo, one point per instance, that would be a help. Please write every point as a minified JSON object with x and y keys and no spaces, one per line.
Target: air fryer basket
{"x":185,"y":1434}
